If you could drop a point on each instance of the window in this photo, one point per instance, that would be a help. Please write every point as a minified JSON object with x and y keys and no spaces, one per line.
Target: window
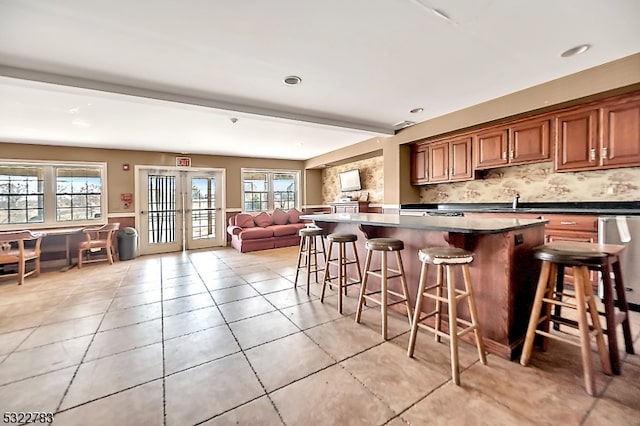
{"x":51,"y":194}
{"x":264,"y":190}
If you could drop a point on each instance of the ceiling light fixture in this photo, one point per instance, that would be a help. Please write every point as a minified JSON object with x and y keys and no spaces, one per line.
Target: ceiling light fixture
{"x":292,"y":80}
{"x":233,"y":120}
{"x":575,"y":50}
{"x":416,"y":110}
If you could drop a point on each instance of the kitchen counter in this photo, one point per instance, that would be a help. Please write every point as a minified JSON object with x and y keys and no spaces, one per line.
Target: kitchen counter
{"x":503,"y":272}
{"x":613,"y":208}
{"x":455,"y":224}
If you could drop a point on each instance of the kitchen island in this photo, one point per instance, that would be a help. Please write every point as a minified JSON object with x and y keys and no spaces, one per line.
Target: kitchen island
{"x":504,"y":273}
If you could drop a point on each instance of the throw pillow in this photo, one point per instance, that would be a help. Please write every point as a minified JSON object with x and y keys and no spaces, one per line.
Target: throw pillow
{"x":280,"y":217}
{"x":294,"y":216}
{"x":244,"y":220}
{"x":263,"y":219}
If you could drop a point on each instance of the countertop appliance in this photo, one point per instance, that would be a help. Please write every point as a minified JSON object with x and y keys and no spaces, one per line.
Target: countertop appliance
{"x":625,"y":230}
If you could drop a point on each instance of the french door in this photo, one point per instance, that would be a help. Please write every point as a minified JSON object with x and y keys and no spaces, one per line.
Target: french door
{"x":180,"y":209}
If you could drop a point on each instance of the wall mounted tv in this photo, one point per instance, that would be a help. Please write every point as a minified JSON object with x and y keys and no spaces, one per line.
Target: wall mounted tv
{"x":350,"y":180}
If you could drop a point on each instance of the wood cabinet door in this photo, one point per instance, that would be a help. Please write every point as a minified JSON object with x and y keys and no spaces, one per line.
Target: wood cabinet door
{"x":621,"y":134}
{"x":438,"y":162}
{"x":577,"y":140}
{"x":460,"y":159}
{"x":419,"y":165}
{"x":529,"y":142}
{"x":490,"y":148}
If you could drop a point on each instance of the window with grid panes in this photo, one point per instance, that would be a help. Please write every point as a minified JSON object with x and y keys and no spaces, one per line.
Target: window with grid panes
{"x":266,"y":190}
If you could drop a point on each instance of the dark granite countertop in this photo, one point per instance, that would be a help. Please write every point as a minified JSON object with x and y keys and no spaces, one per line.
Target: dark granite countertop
{"x":458,"y":224}
{"x":614,"y":208}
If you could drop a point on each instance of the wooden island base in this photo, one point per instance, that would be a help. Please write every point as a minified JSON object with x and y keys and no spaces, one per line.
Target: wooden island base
{"x":504,"y":273}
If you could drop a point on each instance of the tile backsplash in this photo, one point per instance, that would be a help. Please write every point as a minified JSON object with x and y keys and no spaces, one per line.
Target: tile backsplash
{"x":538,"y":182}
{"x":371,"y":177}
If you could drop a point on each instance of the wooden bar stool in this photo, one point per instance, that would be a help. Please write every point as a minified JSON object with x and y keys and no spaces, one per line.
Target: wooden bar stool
{"x":341,"y":262}
{"x":308,"y":250}
{"x":546,"y":297}
{"x":446,"y":259}
{"x":384,"y":246}
{"x":613,"y":318}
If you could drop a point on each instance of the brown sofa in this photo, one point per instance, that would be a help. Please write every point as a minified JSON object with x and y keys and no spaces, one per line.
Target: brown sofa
{"x":265,"y":231}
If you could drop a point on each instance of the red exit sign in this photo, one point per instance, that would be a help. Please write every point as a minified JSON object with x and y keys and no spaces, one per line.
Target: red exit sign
{"x":183,"y":161}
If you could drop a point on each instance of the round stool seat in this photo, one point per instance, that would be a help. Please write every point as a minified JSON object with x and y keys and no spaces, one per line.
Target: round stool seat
{"x":444,"y":255}
{"x":568,"y":256}
{"x":310,"y":232}
{"x":384,"y":244}
{"x":342,"y":238}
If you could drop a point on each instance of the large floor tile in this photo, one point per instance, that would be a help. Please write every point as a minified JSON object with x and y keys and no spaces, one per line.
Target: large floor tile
{"x":32,"y":362}
{"x":129,"y":316}
{"x":257,"y":412}
{"x":125,"y":338}
{"x":196,"y":348}
{"x":343,"y":338}
{"x":285,"y":360}
{"x":261,"y":329}
{"x":395,"y":378}
{"x":62,"y":331}
{"x":140,"y":405}
{"x":231,"y":294}
{"x":330,"y":397}
{"x":246,"y":308}
{"x":202,"y":392}
{"x":104,"y":376}
{"x":40,"y":393}
{"x":188,"y":322}
{"x":186,"y":304}
{"x":289,"y":297}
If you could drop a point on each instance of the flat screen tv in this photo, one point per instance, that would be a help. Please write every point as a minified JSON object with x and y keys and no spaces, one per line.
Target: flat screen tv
{"x":350,"y":180}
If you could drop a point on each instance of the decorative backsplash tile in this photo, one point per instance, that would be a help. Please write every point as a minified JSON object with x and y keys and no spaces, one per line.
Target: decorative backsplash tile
{"x":538,"y":182}
{"x":371,"y":176}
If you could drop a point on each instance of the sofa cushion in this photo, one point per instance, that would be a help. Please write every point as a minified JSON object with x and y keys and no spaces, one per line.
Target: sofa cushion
{"x":289,"y":229}
{"x":280,"y":217}
{"x":244,"y":220}
{"x":256,"y":233}
{"x":263,"y":219}
{"x":294,"y":216}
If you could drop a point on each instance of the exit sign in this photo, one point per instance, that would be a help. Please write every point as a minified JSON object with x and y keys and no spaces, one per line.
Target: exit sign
{"x":183,"y":161}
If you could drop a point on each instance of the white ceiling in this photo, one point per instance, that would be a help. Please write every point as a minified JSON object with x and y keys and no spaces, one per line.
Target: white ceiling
{"x":168,"y":75}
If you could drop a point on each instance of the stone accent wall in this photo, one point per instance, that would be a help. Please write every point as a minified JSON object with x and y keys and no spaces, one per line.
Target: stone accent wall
{"x":371,"y":176}
{"x":538,"y":182}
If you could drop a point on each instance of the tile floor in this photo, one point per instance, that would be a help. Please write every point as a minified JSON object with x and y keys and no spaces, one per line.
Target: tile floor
{"x":217,"y":337}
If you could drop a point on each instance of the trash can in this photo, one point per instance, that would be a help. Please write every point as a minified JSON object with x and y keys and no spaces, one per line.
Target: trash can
{"x":127,"y":243}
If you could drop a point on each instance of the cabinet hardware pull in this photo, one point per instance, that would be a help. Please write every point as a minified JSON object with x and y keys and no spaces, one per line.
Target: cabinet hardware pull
{"x":504,"y":155}
{"x":604,"y":154}
{"x":511,"y":155}
{"x":593,"y":154}
{"x":568,"y":223}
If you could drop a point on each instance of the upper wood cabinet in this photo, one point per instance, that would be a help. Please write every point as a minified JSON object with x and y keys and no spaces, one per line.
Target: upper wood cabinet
{"x":419,"y":165}
{"x":599,"y":136}
{"x":450,"y":160}
{"x":519,"y":143}
{"x":441,"y":161}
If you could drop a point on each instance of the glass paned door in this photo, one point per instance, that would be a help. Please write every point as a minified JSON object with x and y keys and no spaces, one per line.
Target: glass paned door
{"x":204,"y":215}
{"x":180,"y":210}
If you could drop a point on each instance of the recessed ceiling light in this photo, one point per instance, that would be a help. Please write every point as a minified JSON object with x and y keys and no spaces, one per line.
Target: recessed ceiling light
{"x":292,"y":80}
{"x":575,"y":50}
{"x":416,"y":110}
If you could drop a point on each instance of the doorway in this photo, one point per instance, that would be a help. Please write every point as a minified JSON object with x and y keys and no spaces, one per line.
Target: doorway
{"x":180,"y":209}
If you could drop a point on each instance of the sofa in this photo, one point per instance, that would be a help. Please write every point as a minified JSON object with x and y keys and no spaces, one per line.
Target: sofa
{"x":265,"y":230}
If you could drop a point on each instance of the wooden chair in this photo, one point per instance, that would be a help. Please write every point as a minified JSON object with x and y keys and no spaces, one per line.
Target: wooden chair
{"x":98,"y":238}
{"x":13,"y":251}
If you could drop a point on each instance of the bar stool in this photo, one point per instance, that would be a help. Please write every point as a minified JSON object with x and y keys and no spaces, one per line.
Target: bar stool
{"x":547,"y":296}
{"x":341,"y":262}
{"x":445,"y":259}
{"x":308,"y":249}
{"x":384,"y":246}
{"x":612,"y":318}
